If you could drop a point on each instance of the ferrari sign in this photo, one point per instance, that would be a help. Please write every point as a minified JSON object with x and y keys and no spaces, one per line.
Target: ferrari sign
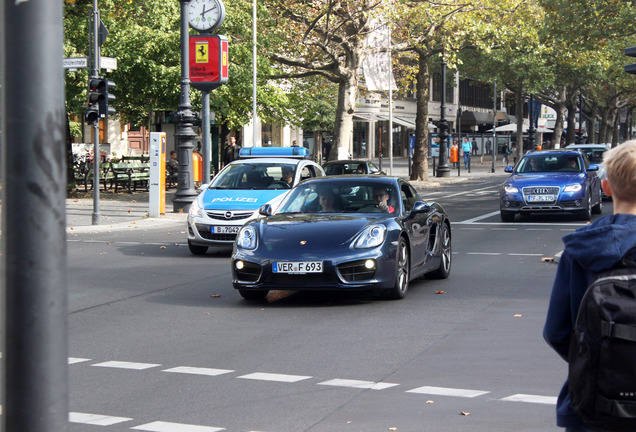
{"x":208,"y":61}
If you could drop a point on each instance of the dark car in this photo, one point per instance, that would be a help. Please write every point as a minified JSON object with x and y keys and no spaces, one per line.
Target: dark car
{"x":343,"y":233}
{"x":551,"y":181}
{"x":348,"y":166}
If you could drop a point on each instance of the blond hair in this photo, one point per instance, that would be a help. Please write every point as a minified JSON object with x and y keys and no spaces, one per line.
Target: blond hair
{"x":620,"y":163}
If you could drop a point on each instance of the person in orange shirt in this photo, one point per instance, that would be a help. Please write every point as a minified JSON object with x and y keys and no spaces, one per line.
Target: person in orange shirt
{"x":454,"y":154}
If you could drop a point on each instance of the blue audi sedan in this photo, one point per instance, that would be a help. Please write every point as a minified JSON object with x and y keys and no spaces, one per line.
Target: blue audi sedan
{"x":551,"y":181}
{"x":345,"y":232}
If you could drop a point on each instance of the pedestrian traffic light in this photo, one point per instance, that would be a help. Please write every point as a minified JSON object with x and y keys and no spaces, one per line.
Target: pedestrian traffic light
{"x":92,"y":111}
{"x":630,"y":68}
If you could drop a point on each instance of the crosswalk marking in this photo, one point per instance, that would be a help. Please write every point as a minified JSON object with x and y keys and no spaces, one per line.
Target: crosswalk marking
{"x":126,"y":365}
{"x":445,"y":391}
{"x":548,"y":400}
{"x":95,"y":419}
{"x":358,"y":384}
{"x":198,"y":371}
{"x":159,"y":426}
{"x":73,"y":360}
{"x":274,"y":377}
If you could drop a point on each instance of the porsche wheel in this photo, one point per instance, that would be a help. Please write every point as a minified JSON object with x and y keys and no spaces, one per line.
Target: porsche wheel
{"x":253,"y":295}
{"x":446,"y":255}
{"x":402,"y":271}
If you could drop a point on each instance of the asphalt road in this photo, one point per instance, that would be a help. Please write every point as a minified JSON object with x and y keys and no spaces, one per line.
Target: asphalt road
{"x":159,"y":340}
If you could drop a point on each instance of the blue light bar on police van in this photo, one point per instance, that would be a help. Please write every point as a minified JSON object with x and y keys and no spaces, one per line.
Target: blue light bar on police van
{"x":271,"y":152}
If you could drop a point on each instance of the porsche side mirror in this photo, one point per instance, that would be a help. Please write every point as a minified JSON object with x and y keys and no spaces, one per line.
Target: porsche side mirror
{"x":421,"y":207}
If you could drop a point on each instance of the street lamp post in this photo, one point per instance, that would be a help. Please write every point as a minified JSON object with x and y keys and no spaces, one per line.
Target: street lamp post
{"x":184,"y":135}
{"x":443,"y":170}
{"x":494,"y":128}
{"x":531,"y":130}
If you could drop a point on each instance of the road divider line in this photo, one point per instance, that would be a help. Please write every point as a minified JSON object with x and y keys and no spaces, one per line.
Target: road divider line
{"x":198,"y":371}
{"x":546,"y":400}
{"x":95,"y":419}
{"x":445,"y":391}
{"x":478,"y":218}
{"x":126,"y":365}
{"x":358,"y":384}
{"x":484,"y":253}
{"x":73,"y":360}
{"x":263,"y":376}
{"x":159,"y":426}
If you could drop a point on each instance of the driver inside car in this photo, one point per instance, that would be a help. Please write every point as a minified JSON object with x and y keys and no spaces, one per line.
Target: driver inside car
{"x":381,"y":198}
{"x":288,"y":176}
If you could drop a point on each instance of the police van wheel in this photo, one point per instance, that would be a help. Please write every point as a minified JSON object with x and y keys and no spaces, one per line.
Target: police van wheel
{"x":197,"y":250}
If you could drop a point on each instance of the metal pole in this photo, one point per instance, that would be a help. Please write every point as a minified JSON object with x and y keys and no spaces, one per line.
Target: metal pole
{"x":254,"y":114}
{"x":494,"y":129}
{"x":443,"y":170}
{"x":205,"y":140}
{"x":531,"y":137}
{"x":96,"y":50}
{"x":184,"y":135}
{"x":34,"y":252}
{"x":390,"y":81}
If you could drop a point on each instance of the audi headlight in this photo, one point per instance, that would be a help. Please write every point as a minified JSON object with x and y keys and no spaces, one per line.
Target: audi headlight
{"x":246,"y":238}
{"x":195,"y":210}
{"x":371,"y":237}
{"x":573,"y":188}
{"x":510,"y":189}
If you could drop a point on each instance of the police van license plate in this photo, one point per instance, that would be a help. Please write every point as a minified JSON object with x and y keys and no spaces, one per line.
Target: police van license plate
{"x":298,"y":267}
{"x":221,"y":229}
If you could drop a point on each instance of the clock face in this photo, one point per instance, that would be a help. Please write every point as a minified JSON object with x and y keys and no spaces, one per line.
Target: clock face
{"x":206,"y":15}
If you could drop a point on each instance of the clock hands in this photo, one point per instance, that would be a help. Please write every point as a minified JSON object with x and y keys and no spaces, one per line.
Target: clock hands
{"x":212,"y":8}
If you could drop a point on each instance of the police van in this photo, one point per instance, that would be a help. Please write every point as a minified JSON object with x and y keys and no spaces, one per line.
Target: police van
{"x":261,"y":175}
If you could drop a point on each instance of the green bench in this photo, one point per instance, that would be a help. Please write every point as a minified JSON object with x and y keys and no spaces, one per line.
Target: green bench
{"x":131,"y":175}
{"x":106,"y":175}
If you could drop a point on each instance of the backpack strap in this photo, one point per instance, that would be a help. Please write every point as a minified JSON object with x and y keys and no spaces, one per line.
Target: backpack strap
{"x":619,"y":331}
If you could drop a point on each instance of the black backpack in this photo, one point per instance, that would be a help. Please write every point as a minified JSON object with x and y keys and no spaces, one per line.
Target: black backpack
{"x":602,"y":356}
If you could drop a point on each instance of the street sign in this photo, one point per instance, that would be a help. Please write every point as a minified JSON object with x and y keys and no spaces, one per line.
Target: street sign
{"x":75,"y":63}
{"x":72,"y":63}
{"x":108,"y":63}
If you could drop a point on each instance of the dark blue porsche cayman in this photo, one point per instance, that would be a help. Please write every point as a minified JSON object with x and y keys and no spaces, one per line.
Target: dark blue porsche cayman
{"x":552,"y":181}
{"x":343,"y":233}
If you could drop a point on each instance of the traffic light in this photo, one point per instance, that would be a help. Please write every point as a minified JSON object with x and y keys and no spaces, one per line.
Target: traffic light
{"x":106,"y":98}
{"x":630,"y":68}
{"x":100,"y":98}
{"x":91,"y":114}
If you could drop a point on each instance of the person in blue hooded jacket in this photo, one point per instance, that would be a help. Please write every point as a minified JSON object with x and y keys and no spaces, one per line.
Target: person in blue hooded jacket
{"x":590,"y":250}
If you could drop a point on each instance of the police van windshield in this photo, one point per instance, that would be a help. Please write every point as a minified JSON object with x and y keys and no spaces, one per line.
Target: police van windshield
{"x":255,"y":176}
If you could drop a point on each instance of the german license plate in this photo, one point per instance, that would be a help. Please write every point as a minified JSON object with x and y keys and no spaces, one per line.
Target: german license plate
{"x":224,"y":229}
{"x":541,"y":198}
{"x":298,"y":267}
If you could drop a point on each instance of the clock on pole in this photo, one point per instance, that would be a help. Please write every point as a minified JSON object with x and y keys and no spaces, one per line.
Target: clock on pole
{"x":206,"y":15}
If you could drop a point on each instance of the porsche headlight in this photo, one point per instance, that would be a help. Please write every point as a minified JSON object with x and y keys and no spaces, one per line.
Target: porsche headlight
{"x":246,"y":238}
{"x":573,"y":188}
{"x":510,"y":189}
{"x":195,"y":210}
{"x":371,"y":237}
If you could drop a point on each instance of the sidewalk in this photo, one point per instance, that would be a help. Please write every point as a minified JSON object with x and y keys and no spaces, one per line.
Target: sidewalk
{"x":124,"y":211}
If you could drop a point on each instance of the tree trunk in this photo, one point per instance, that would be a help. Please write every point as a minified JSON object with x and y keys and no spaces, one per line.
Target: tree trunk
{"x":420,"y":150}
{"x":347,"y":95}
{"x":570,"y":138}
{"x":558,"y":125}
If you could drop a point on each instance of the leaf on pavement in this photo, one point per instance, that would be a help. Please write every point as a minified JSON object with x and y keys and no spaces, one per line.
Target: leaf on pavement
{"x":547,"y":259}
{"x":162,"y":247}
{"x":440,"y":292}
{"x":464,"y":413}
{"x":393,"y":428}
{"x":215,"y":295}
{"x":518,"y":315}
{"x":430,"y":401}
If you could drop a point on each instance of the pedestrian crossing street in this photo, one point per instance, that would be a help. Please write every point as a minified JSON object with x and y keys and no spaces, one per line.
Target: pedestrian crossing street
{"x":104,"y":420}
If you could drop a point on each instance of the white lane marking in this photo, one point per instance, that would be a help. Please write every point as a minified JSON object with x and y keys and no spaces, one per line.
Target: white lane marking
{"x":126,"y":365}
{"x":484,"y":253}
{"x":263,"y":376}
{"x":525,"y":254}
{"x":160,"y":426}
{"x":95,"y":419}
{"x":444,"y":391}
{"x":505,"y":229}
{"x":198,"y":371}
{"x":358,"y":384}
{"x":558,"y":254}
{"x":539,"y":229}
{"x":73,"y":360}
{"x":478,"y":218}
{"x":547,"y":400}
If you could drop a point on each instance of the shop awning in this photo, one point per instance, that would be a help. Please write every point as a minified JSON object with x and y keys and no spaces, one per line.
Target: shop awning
{"x":476,"y":117}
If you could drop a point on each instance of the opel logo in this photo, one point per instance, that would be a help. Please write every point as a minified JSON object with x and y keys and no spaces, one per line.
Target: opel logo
{"x":228,"y":215}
